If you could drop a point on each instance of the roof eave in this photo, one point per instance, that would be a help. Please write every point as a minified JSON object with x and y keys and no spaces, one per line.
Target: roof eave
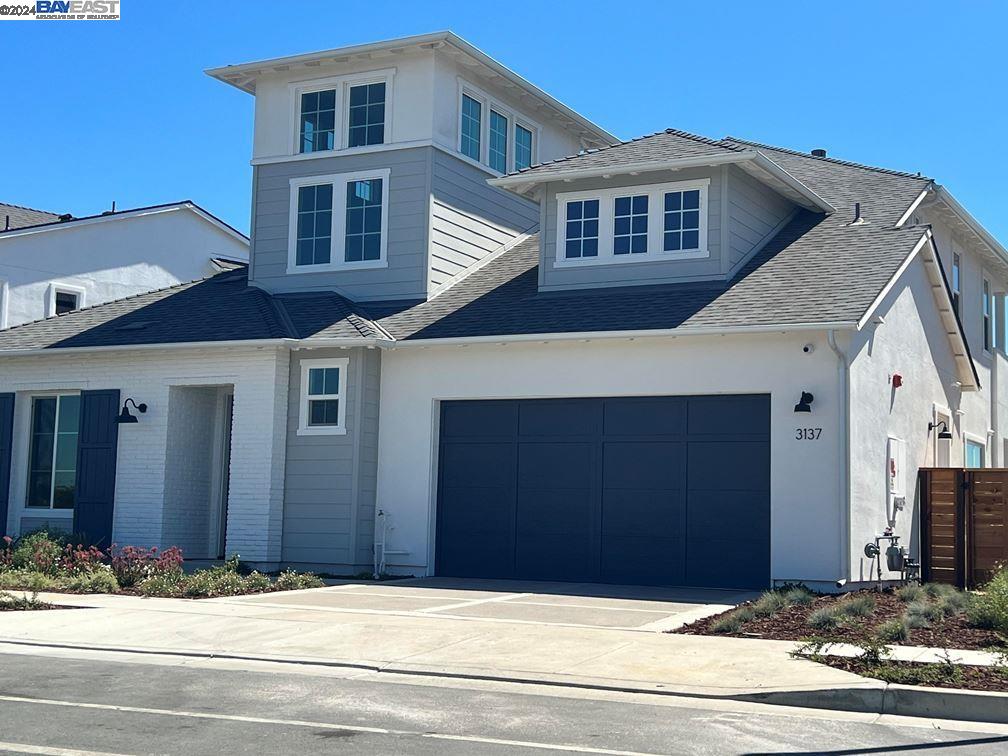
{"x":249,"y":71}
{"x":986,"y":236}
{"x":813,"y":201}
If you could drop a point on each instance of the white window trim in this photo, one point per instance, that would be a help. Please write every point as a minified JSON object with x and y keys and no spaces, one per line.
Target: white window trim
{"x":338,"y":251}
{"x":304,"y":429}
{"x":987,"y":318}
{"x":342,"y":86}
{"x":59,"y":286}
{"x":656,"y":224}
{"x":487,"y":103}
{"x":4,"y":298}
{"x":941,"y":413}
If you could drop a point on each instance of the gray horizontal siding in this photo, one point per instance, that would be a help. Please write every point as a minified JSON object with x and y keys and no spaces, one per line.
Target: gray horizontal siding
{"x":754,"y":211}
{"x":330,"y":481}
{"x":629,"y":274}
{"x":469,"y":218}
{"x":408,"y":214}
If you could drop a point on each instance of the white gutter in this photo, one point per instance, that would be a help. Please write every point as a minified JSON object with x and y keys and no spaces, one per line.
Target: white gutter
{"x":843,"y":479}
{"x":538,"y":176}
{"x":146,"y":347}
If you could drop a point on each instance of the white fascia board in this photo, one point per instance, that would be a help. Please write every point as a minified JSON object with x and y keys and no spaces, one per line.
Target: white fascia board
{"x":11,"y":353}
{"x":214,"y":221}
{"x":251,"y":70}
{"x":541,"y":177}
{"x":815,"y":202}
{"x":996,"y":247}
{"x":870,"y":312}
{"x":913,"y":206}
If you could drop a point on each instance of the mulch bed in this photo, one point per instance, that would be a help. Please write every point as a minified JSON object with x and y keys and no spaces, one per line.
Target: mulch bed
{"x":969,"y":677}
{"x":790,"y":624}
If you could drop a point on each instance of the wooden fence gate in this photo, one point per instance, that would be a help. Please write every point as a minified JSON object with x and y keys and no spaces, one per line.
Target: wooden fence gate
{"x":964,"y":524}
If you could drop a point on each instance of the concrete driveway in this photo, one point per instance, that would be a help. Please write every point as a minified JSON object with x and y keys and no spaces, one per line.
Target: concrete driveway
{"x":584,"y":605}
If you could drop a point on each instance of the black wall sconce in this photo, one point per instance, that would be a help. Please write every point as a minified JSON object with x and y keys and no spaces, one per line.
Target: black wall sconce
{"x":126,"y":416}
{"x":805,"y":403}
{"x":943,"y":434}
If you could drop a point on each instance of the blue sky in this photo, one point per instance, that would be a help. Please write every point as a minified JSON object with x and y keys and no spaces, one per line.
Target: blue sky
{"x":95,"y":112}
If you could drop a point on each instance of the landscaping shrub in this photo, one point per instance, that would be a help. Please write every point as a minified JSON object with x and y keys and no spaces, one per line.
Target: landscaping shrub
{"x":21,"y":603}
{"x":289,"y":580}
{"x":733,"y":621}
{"x":7,"y":554}
{"x":989,"y":609}
{"x":798,"y":596}
{"x":893,"y":631}
{"x":769,"y":603}
{"x":940,"y":590}
{"x":911,"y":592}
{"x":133,"y":564}
{"x":857,"y":605}
{"x":100,"y":580}
{"x":923,"y":613}
{"x":27,"y":580}
{"x":827,"y":617}
{"x":954,"y":603}
{"x":38,"y":552}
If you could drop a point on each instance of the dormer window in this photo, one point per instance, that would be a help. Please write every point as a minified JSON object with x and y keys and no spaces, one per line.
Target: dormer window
{"x":338,"y":222}
{"x":523,"y":147}
{"x":342,"y":112}
{"x":654,"y":222}
{"x":472,"y":120}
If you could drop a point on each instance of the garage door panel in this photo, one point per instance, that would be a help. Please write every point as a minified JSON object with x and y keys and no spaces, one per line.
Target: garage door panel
{"x":478,"y":419}
{"x":569,"y":511}
{"x":637,"y":512}
{"x":742,"y":515}
{"x":643,"y":465}
{"x":555,"y":465}
{"x":555,"y":556}
{"x":729,"y":465}
{"x":645,"y":416}
{"x":559,"y":417}
{"x":478,"y":464}
{"x":644,"y":561}
{"x":719,"y":563}
{"x":712,"y":415}
{"x":476,"y":532}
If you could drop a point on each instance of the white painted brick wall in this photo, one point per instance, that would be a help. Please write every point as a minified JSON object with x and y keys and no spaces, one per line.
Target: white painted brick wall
{"x":259,"y":376}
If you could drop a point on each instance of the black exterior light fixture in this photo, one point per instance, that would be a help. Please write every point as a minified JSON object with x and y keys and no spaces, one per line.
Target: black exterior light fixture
{"x":126,"y":416}
{"x":805,"y":403}
{"x":943,"y":434}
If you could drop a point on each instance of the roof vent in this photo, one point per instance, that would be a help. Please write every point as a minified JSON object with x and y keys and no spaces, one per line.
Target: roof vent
{"x":819,"y":153}
{"x":858,"y":220}
{"x":65,"y":217}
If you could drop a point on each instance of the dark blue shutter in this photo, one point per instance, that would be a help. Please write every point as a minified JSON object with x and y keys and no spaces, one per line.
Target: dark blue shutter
{"x":6,"y":429}
{"x":96,"y":466}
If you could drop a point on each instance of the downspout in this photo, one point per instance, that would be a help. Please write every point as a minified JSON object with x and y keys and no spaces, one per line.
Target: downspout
{"x":843,"y":479}
{"x":997,"y":316}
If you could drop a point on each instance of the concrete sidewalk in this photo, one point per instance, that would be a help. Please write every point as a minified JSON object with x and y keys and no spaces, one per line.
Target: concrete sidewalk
{"x":478,"y":647}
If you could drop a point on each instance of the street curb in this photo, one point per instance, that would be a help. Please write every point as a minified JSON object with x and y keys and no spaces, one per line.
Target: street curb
{"x":875,"y":697}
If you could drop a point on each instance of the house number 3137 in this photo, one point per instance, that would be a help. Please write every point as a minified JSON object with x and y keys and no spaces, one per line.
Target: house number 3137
{"x":807,"y":434}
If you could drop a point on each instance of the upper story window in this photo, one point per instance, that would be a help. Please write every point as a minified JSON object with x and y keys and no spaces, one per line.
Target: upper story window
{"x":322,"y":407}
{"x":338,"y":221}
{"x":342,"y":112}
{"x":472,"y":127}
{"x":66,"y":301}
{"x":498,"y":142}
{"x":655,"y":222}
{"x":367,"y":114}
{"x":63,"y":297}
{"x":523,"y":147}
{"x":52,"y":464}
{"x":318,"y":121}
{"x":494,"y":134}
{"x":956,"y":274}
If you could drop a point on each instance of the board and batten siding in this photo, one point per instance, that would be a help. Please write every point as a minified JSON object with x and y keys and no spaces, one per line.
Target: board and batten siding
{"x":552,"y":277}
{"x":405,"y":276}
{"x":469,"y":218}
{"x":331,"y":480}
{"x":754,"y":214}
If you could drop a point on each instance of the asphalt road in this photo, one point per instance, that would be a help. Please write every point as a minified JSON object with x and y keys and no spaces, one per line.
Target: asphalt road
{"x":71,"y":705}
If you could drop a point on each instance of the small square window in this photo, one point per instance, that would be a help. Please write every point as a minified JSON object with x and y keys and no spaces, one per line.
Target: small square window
{"x":66,"y":301}
{"x":322,"y":401}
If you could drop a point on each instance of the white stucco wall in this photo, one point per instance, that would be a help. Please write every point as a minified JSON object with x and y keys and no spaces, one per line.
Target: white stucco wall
{"x":805,"y":487}
{"x":259,"y":378}
{"x":107,"y":259}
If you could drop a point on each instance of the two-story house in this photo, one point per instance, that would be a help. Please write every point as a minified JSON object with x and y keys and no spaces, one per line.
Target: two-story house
{"x":479,"y":337}
{"x":53,"y":263}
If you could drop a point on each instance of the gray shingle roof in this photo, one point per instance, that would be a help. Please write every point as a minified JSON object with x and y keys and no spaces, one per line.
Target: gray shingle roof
{"x":818,"y":269}
{"x":15,"y":216}
{"x":665,"y":145}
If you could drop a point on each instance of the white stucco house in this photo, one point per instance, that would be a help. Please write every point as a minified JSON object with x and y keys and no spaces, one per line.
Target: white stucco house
{"x":54,"y":263}
{"x":480,"y":336}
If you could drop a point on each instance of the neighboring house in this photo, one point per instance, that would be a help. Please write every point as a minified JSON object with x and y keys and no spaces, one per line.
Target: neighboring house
{"x":457,"y":351}
{"x":51,"y":264}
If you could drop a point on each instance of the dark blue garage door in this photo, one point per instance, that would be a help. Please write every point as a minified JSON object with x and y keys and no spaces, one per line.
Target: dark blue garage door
{"x":644,"y":490}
